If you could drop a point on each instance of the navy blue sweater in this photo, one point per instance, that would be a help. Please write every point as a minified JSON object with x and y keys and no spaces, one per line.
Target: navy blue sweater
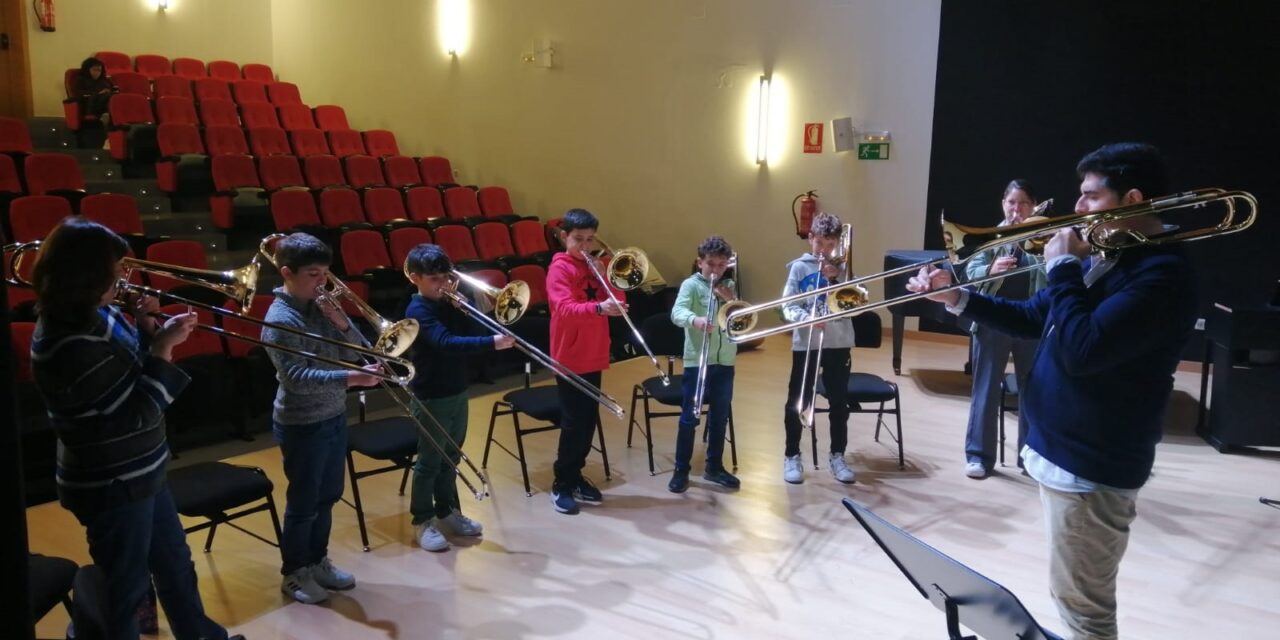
{"x":439,"y":353}
{"x":1096,"y":396}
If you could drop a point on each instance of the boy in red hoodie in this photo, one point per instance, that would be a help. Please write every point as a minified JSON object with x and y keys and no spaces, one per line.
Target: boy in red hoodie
{"x":579,"y":341}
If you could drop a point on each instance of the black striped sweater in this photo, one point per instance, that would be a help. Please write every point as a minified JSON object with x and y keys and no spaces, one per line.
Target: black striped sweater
{"x":106,"y":397}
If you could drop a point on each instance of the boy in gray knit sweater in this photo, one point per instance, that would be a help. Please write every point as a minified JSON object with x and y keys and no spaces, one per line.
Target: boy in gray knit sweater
{"x":811,"y":271}
{"x":309,"y":418}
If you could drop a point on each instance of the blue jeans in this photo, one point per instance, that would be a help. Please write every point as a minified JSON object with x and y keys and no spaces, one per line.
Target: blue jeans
{"x":136,"y":542}
{"x":314,"y":459}
{"x":991,"y":351}
{"x":719,"y":398}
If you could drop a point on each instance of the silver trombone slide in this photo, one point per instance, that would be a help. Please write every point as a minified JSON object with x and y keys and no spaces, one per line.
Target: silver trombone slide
{"x":605,"y":400}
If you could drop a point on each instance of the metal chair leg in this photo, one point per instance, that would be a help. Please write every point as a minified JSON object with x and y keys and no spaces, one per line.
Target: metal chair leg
{"x":359,"y":506}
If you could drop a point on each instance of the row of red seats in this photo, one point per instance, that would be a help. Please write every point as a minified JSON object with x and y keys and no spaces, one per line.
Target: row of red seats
{"x":152,"y":66}
{"x":341,"y":210}
{"x":33,"y":217}
{"x":128,"y":108}
{"x":368,"y":253}
{"x":359,"y":171}
{"x":238,"y":91}
{"x":42,"y":173}
{"x":181,"y":139}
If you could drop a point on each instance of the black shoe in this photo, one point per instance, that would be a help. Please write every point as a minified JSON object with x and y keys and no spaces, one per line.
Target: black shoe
{"x":562,"y":500}
{"x":722,"y":478}
{"x":587,"y":492}
{"x":679,"y":481}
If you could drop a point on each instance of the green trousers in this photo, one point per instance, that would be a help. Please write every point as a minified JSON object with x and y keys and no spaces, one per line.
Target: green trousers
{"x":435,"y":488}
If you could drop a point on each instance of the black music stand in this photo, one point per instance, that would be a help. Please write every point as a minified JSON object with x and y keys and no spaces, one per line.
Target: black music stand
{"x":962,"y":593}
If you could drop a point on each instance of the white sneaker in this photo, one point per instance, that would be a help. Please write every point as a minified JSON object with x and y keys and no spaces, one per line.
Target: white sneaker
{"x":429,"y":537}
{"x":331,"y":577}
{"x":457,"y":524}
{"x":840,"y":469}
{"x":793,"y":469}
{"x":300,"y":586}
{"x":975,"y":470}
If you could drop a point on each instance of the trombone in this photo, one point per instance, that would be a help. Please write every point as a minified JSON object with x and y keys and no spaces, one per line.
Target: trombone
{"x":962,"y":243}
{"x":719,"y":314}
{"x":628,"y":269}
{"x":509,"y":305}
{"x":842,"y":295}
{"x":394,"y":338}
{"x":237,"y":284}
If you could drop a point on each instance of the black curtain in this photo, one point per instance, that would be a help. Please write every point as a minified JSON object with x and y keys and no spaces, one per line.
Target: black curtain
{"x":1024,"y":89}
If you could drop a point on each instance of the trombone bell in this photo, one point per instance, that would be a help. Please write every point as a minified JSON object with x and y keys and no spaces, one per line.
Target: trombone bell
{"x":628,"y":269}
{"x":846,"y":298}
{"x":740,"y":324}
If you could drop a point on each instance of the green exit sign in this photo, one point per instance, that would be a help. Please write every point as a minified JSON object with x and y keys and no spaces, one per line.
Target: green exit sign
{"x":873,"y":150}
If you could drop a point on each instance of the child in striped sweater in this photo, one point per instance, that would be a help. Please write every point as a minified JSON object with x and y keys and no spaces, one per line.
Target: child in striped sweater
{"x":106,"y":383}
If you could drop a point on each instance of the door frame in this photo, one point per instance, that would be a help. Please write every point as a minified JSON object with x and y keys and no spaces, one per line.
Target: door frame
{"x":15,"y":18}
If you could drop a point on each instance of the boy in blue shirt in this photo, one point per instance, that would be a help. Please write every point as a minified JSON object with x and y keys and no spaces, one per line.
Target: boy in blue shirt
{"x":439,"y":356}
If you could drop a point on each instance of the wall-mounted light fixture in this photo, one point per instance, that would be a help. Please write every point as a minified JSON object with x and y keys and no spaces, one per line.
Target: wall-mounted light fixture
{"x":453,"y":25}
{"x":762,"y":123}
{"x":162,"y":5}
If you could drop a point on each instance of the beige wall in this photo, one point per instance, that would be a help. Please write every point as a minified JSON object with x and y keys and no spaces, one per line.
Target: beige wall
{"x":642,"y":119}
{"x":238,"y":30}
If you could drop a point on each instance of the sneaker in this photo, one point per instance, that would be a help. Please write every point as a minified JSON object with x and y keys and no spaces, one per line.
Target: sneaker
{"x":331,"y":577}
{"x":793,"y":469}
{"x":429,"y":537}
{"x":300,"y":586}
{"x":456,"y":524}
{"x":975,"y":470}
{"x":679,"y":481}
{"x":563,"y":501}
{"x":587,"y":492}
{"x":840,"y":469}
{"x":722,"y":478}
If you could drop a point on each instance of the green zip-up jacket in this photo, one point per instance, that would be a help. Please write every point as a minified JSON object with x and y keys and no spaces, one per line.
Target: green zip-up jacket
{"x":695,"y":294}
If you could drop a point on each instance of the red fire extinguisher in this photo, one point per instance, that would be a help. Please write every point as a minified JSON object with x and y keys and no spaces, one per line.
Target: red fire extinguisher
{"x":808,"y":202}
{"x":44,"y":13}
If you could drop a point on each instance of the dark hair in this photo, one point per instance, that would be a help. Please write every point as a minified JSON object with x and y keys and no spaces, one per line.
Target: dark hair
{"x":578,"y":219}
{"x":714,"y":246}
{"x":75,"y":267}
{"x":1023,"y":185}
{"x":428,"y":259}
{"x":298,"y":250}
{"x":825,"y":225}
{"x":1127,"y":165}
{"x":90,"y":63}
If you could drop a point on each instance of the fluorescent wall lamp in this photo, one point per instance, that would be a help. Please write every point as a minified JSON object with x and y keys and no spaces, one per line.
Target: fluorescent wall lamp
{"x":453,"y":19}
{"x":762,"y":125}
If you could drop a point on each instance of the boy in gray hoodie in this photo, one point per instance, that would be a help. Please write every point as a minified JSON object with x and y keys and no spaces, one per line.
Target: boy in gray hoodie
{"x":810,"y":271}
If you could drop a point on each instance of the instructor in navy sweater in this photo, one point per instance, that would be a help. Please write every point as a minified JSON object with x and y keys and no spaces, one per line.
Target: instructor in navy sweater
{"x":1111,"y":328}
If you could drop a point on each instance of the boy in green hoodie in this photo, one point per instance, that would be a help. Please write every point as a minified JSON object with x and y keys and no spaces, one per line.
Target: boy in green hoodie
{"x":690,"y":312}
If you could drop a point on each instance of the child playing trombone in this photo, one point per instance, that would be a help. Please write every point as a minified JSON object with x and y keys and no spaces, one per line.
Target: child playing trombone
{"x":690,"y":312}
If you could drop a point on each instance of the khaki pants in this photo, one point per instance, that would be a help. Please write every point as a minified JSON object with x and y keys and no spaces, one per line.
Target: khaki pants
{"x":1088,"y":534}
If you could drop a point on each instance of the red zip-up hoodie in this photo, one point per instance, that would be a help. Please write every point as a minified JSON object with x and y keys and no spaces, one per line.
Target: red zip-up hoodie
{"x":579,"y":336}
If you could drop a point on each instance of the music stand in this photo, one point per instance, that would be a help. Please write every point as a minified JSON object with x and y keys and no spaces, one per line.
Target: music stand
{"x":962,"y":593}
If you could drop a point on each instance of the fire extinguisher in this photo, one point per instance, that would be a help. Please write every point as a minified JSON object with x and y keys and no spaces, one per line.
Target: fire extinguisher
{"x":808,"y":202}
{"x":44,"y":13}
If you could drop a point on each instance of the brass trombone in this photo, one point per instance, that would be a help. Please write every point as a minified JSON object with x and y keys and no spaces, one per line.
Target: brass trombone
{"x":394,"y":338}
{"x":509,"y":305}
{"x":719,"y":314}
{"x":963,"y":242}
{"x":842,"y":296}
{"x":628,"y":269}
{"x":237,"y":284}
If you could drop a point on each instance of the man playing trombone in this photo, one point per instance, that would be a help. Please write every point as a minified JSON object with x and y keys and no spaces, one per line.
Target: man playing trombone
{"x":1112,"y":328}
{"x":309,"y":418}
{"x":439,"y":358}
